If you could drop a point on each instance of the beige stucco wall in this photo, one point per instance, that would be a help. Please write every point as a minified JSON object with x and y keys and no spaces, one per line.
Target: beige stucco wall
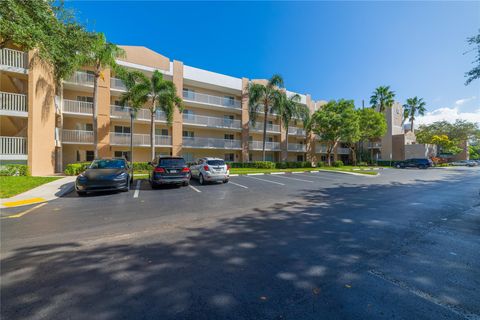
{"x":144,"y":56}
{"x":245,"y":120}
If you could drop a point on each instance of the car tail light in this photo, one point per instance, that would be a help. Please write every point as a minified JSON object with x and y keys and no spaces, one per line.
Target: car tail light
{"x":206,"y":168}
{"x":228,"y":167}
{"x":185,"y":170}
{"x":159,"y":170}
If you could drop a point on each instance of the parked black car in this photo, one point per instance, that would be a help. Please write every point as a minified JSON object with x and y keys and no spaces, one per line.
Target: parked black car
{"x":105,"y":175}
{"x":169,"y":170}
{"x":414,"y":163}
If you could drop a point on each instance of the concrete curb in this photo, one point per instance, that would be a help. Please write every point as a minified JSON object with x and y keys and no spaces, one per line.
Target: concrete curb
{"x":47,"y":192}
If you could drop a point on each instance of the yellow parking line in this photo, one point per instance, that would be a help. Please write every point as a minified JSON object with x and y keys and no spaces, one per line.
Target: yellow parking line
{"x":23,"y":202}
{"x":21,"y":214}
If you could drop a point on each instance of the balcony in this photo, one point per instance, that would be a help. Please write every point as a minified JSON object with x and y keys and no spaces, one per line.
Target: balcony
{"x":117,"y":84}
{"x":211,"y":100}
{"x":13,"y":148}
{"x":343,"y":150}
{"x":269,"y":146}
{"x":13,"y":60}
{"x":82,"y":78}
{"x":77,"y":137}
{"x":139,"y":140}
{"x":321,"y":148}
{"x":297,"y":147}
{"x":294,"y":131}
{"x":13,"y":104}
{"x":272,"y":128}
{"x":77,"y":107}
{"x":211,"y":143}
{"x":211,"y":122}
{"x":119,"y":112}
{"x":375,"y":145}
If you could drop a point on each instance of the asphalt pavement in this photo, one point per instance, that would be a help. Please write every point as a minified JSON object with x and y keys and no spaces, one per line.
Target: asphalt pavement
{"x":402,"y":245}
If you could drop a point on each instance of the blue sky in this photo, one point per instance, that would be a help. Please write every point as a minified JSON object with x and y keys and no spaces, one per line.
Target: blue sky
{"x":328,"y":49}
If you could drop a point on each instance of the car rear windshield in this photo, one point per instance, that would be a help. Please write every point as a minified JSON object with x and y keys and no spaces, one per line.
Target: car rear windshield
{"x":216,"y":162}
{"x":171,"y":162}
{"x":108,"y":164}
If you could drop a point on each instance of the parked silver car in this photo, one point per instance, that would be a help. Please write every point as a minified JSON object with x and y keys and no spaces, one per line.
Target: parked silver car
{"x":467,"y":163}
{"x":210,"y":169}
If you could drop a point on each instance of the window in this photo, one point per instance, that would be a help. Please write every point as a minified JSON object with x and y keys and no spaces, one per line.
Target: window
{"x":300,"y":157}
{"x":108,"y":164}
{"x":227,"y":120}
{"x":172,"y":162}
{"x":188,"y":134}
{"x":228,"y":101}
{"x":228,"y":136}
{"x":189,"y":114}
{"x":117,"y":103}
{"x":250,"y":138}
{"x":122,"y":154}
{"x":78,"y":156}
{"x":250,"y":157}
{"x":269,"y":157}
{"x":188,"y":156}
{"x":229,"y":157}
{"x":84,"y":126}
{"x":189,"y":94}
{"x":161,"y":132}
{"x":84,"y":99}
{"x":122,"y":129}
{"x":90,"y":155}
{"x":270,"y":139}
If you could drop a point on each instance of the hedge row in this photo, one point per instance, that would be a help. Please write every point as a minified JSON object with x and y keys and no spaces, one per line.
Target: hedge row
{"x":74,"y":169}
{"x":14,"y":170}
{"x":280,"y":165}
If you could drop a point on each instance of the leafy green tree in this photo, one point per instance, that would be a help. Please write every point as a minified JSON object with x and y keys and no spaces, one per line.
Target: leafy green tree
{"x":446,"y":144}
{"x":372,"y":126}
{"x":474,"y":152}
{"x":351,"y":132}
{"x":160,"y":94}
{"x":334,"y":121}
{"x":460,"y":130}
{"x":266,"y":97}
{"x":101,"y":55}
{"x":382,"y":98}
{"x":413,"y":107}
{"x":288,"y":110}
{"x":48,"y":27}
{"x":475,"y":72}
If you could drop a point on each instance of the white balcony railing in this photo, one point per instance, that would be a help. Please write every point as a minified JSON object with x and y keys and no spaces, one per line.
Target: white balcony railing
{"x":141,"y":114}
{"x":139,"y":140}
{"x":77,"y":136}
{"x":209,"y":99}
{"x":343,"y":150}
{"x":295,"y":131}
{"x":13,"y":102}
{"x":77,"y":107}
{"x":375,"y":145}
{"x":13,"y":146}
{"x":270,"y":127}
{"x":321,"y":148}
{"x":296,"y":147}
{"x":117,"y":84}
{"x":211,"y":143}
{"x":258,"y":145}
{"x":13,"y":58}
{"x":82,"y":78}
{"x":213,"y":122}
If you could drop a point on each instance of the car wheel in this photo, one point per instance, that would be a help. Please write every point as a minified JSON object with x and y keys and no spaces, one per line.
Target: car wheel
{"x":225,"y":181}
{"x":201,"y":180}
{"x":422,"y":166}
{"x":81,"y":193}
{"x":185,"y":183}
{"x":398,"y":166}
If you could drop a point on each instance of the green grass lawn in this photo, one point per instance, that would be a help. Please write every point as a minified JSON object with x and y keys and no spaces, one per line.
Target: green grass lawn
{"x":10,"y":186}
{"x":344,"y":168}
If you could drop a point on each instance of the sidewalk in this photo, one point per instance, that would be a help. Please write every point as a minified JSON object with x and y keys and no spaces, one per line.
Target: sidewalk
{"x":43,"y":193}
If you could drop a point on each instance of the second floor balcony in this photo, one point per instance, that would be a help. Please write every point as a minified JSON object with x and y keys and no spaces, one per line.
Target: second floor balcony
{"x":272,"y":128}
{"x":139,"y":140}
{"x":77,"y":107}
{"x":77,"y":136}
{"x":13,"y":148}
{"x":211,"y":143}
{"x":142,"y":114}
{"x":13,"y":60}
{"x":269,"y":146}
{"x":374,"y":145}
{"x":295,"y":131}
{"x":13,"y":104}
{"x":117,"y":84}
{"x":297,"y":147}
{"x":219,"y":101}
{"x":81,"y":78}
{"x":211,"y":122}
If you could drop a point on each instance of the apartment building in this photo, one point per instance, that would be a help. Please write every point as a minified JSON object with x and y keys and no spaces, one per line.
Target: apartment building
{"x":48,"y":126}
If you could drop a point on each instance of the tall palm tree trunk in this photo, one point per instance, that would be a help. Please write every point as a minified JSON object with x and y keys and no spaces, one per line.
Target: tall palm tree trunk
{"x":286,"y":141}
{"x":95,"y":115}
{"x":152,"y":132}
{"x":371,"y":153}
{"x":411,"y":125}
{"x":264,"y":132}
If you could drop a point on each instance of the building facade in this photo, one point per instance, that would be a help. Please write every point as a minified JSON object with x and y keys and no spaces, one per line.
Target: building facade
{"x":48,"y":125}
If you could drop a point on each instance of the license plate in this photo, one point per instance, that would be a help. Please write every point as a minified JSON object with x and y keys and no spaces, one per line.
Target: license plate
{"x":173,"y":171}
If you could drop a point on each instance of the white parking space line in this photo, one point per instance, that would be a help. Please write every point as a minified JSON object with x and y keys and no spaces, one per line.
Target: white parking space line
{"x":236,"y":184}
{"x":294,"y":179}
{"x":137,"y":189}
{"x":282,"y":184}
{"x":195,"y":189}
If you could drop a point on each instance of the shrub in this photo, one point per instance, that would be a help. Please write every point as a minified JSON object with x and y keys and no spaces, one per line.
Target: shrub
{"x":281,"y":165}
{"x":385,"y":163}
{"x":14,"y":170}
{"x":362,"y":164}
{"x":337,"y":163}
{"x":141,"y":166}
{"x":74,"y":169}
{"x":320,"y":164}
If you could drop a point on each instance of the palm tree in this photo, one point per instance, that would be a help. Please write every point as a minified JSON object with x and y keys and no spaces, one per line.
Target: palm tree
{"x":413,"y":107}
{"x":382,"y":98}
{"x":102,"y":54}
{"x":266,"y":96}
{"x":303,"y":112}
{"x":288,"y":109}
{"x":161,"y":94}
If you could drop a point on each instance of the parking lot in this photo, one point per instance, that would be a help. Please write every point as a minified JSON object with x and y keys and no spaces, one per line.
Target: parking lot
{"x":403,"y":244}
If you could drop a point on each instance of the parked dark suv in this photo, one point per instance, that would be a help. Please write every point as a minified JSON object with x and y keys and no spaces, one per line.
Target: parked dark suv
{"x":414,"y":163}
{"x":169,"y":170}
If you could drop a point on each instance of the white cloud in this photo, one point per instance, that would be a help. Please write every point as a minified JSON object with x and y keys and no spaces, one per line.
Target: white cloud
{"x":449,"y":114}
{"x":461,"y":102}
